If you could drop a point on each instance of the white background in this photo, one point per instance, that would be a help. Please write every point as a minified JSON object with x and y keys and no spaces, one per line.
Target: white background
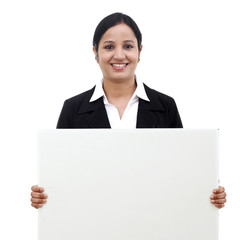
{"x":191,"y":52}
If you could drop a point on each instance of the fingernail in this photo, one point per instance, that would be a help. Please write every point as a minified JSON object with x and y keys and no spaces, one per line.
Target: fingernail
{"x":212,"y":201}
{"x":211,"y":196}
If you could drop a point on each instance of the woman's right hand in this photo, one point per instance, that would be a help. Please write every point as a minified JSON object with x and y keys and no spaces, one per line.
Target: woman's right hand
{"x":38,"y":197}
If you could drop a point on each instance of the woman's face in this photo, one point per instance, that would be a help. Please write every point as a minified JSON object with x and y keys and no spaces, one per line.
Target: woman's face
{"x":118,"y":53}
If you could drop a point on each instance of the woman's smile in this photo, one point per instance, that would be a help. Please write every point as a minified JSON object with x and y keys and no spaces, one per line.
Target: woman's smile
{"x":119,"y":66}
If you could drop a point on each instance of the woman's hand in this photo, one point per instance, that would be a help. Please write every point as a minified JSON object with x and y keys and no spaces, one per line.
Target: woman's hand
{"x":38,"y":197}
{"x":218,"y":198}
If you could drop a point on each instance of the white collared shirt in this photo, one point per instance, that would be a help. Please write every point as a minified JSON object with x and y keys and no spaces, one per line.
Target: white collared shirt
{"x":129,"y":117}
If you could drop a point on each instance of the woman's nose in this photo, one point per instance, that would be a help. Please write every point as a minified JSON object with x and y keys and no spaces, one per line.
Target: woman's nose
{"x":119,"y":53}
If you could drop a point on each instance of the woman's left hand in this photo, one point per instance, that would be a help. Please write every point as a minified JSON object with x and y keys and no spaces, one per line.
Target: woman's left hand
{"x":218,"y":198}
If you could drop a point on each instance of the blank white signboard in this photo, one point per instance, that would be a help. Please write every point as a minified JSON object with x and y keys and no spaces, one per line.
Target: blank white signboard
{"x":143,"y":184}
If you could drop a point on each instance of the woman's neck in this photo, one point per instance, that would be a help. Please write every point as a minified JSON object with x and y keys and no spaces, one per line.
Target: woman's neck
{"x":119,"y":93}
{"x":115,"y":90}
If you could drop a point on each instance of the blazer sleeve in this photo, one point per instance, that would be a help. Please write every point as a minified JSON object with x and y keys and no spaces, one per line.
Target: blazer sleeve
{"x":174,"y":117}
{"x":66,"y":117}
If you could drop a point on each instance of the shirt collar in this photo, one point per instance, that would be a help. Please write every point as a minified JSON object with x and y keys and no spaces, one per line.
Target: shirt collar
{"x":98,"y":91}
{"x":139,"y":92}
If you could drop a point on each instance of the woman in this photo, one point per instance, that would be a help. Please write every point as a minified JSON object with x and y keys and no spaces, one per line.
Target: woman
{"x":119,"y":100}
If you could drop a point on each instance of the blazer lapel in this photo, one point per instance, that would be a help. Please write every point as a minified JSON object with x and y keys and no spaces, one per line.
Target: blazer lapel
{"x":146,"y":117}
{"x":94,"y":114}
{"x":99,"y":118}
{"x":147,"y":111}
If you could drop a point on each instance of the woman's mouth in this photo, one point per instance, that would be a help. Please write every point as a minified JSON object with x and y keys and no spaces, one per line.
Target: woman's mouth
{"x":119,"y":66}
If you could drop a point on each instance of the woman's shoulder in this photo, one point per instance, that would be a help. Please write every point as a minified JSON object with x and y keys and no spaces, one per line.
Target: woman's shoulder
{"x":155,"y":95}
{"x":73,"y":107}
{"x":84,"y":96}
{"x":166,"y":105}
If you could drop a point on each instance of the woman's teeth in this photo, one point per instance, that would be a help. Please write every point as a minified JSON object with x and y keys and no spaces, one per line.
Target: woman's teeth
{"x":119,"y":65}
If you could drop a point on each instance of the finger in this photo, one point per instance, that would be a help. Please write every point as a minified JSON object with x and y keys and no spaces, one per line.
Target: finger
{"x":37,"y":200}
{"x":36,"y":188}
{"x":219,"y":205}
{"x":39,"y":195}
{"x":218,"y":196}
{"x":220,"y":189}
{"x":219,"y":201}
{"x":35,"y":205}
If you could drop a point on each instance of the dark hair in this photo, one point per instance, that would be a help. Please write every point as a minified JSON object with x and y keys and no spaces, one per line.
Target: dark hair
{"x":113,"y":20}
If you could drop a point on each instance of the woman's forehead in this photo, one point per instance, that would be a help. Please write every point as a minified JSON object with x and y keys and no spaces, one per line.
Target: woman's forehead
{"x":119,"y":32}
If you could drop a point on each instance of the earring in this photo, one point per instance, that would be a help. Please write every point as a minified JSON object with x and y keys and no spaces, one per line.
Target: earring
{"x":96,"y":58}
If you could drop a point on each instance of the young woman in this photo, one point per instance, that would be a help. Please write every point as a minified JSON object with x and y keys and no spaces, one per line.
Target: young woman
{"x":120,"y":100}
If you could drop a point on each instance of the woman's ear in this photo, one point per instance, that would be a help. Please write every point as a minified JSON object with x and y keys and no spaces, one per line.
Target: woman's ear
{"x":140,"y":52}
{"x":95,"y":53}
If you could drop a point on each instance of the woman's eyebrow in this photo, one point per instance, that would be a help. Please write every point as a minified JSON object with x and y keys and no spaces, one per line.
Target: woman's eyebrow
{"x":109,"y":42}
{"x":124,"y":41}
{"x":129,"y":41}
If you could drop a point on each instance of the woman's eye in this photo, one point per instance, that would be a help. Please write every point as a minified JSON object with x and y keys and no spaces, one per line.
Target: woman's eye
{"x":128,"y":46}
{"x":109,"y":47}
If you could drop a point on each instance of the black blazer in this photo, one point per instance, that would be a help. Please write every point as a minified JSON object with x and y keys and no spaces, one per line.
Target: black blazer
{"x":160,"y":112}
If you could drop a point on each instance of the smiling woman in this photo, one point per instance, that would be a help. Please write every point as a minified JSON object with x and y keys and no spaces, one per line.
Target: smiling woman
{"x":118,"y":54}
{"x":120,"y":100}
